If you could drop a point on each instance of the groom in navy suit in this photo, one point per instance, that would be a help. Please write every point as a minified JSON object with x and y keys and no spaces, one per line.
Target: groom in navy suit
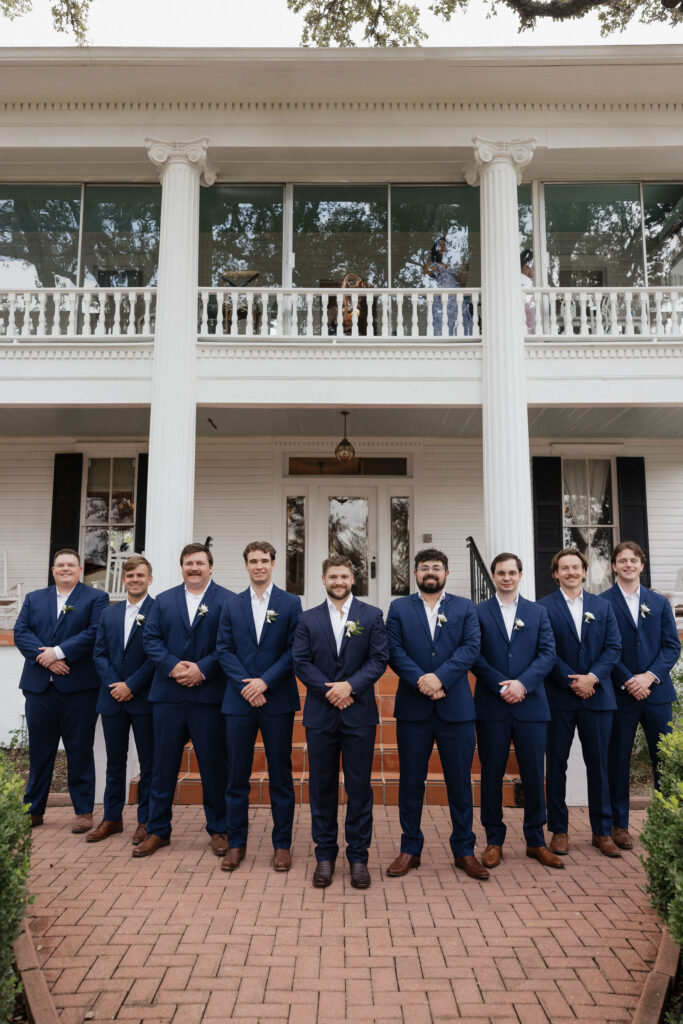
{"x":517,"y":653}
{"x":55,"y":631}
{"x":254,"y":643}
{"x":581,"y":698}
{"x":434,"y":642}
{"x":187,"y":692}
{"x":340,"y":651}
{"x":642,"y":677}
{"x":126,"y":673}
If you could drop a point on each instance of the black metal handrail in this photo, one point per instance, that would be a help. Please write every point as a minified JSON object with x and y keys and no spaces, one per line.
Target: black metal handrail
{"x":481,"y":584}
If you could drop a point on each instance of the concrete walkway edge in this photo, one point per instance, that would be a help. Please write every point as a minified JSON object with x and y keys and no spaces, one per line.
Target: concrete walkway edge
{"x":39,"y":1003}
{"x":659,"y":983}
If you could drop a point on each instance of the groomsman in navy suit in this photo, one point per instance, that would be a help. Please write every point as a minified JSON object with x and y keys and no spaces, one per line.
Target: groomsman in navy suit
{"x":187,"y":692}
{"x":517,"y":653}
{"x":55,"y":631}
{"x":642,"y":677}
{"x":434,"y":642}
{"x":340,"y":651}
{"x":581,"y":698}
{"x":126,"y":673}
{"x":255,"y":638}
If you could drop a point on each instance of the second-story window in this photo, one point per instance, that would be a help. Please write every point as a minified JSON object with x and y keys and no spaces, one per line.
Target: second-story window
{"x":588,"y":516}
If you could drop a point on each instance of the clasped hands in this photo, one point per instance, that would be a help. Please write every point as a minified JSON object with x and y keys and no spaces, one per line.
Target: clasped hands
{"x":430,"y":686}
{"x":514,"y":692}
{"x":253,"y":692}
{"x":48,"y":659}
{"x":639,"y":685}
{"x":187,"y":673}
{"x":583,"y":685}
{"x":339,"y":694}
{"x":121,"y":692}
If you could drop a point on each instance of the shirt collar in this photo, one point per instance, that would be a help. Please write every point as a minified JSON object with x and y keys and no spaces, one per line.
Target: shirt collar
{"x":196,"y":597}
{"x":134,"y":604}
{"x":429,"y":610}
{"x":345,"y":607}
{"x":265,"y":596}
{"x":508,"y":606}
{"x":629,"y":597}
{"x":572,"y":600}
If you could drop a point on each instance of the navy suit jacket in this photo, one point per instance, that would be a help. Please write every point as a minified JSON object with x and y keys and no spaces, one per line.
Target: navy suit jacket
{"x":450,"y":655}
{"x":116,"y":663}
{"x":169,"y":637}
{"x":651,"y":646}
{"x":361,"y":661}
{"x":528,"y":656}
{"x":38,"y":626}
{"x":597,"y":651}
{"x":241,"y":656}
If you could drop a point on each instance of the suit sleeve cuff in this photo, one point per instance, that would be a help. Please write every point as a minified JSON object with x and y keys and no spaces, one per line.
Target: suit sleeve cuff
{"x":59,"y":652}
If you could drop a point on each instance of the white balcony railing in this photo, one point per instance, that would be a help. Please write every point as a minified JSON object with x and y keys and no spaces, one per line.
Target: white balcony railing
{"x":337,"y":314}
{"x":599,"y":312}
{"x":77,"y":312}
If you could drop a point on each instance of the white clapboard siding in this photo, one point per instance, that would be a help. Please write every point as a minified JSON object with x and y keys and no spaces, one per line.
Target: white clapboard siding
{"x":664,"y":482}
{"x":25,"y":512}
{"x":452,"y":502}
{"x":233,"y":502}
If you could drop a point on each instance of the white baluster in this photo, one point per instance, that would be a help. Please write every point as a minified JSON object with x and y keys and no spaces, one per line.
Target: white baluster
{"x":87,"y":303}
{"x":147,"y":315}
{"x":675,"y":322}
{"x":659,"y":323}
{"x":644,"y":312}
{"x":584,"y":330}
{"x":600,"y":325}
{"x":249,"y":327}
{"x":72,"y":318}
{"x":400,"y":333}
{"x":116,"y":325}
{"x":12,"y":305}
{"x":265,"y":315}
{"x":279,"y":329}
{"x":552,"y":301}
{"x":204,"y":312}
{"x":628,"y":312}
{"x":613,"y":318}
{"x":41,"y":328}
{"x":309,"y":314}
{"x":430,"y":324}
{"x":354,"y":314}
{"x":414,"y":327}
{"x":565,"y":311}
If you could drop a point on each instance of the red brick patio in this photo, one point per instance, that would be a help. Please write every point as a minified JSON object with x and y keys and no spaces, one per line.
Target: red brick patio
{"x":173,"y":939}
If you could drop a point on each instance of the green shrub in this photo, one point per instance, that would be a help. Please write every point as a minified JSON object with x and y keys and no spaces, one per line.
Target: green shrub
{"x":641,"y":766}
{"x":663,"y":836}
{"x":15,"y":847}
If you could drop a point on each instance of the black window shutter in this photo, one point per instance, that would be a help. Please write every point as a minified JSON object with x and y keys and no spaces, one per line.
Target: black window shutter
{"x":141,"y":507}
{"x":547,"y":496}
{"x":633,"y":506}
{"x":65,"y":527}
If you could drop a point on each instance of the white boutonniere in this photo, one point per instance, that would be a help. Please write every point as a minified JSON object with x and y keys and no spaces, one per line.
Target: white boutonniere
{"x":203,"y":609}
{"x":518,"y":624}
{"x":353,"y":628}
{"x":588,"y":617}
{"x":440,"y":619}
{"x":645,"y":611}
{"x":139,"y":619}
{"x":271,"y":615}
{"x":68,"y":608}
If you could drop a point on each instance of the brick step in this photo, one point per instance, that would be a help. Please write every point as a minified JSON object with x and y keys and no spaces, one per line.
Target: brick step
{"x":384,"y":787}
{"x":385,"y":759}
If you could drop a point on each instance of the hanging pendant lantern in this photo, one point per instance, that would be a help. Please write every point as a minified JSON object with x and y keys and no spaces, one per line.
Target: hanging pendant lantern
{"x":344,"y":451}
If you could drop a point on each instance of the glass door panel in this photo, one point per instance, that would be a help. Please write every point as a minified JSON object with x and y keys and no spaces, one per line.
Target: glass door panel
{"x":347,"y":534}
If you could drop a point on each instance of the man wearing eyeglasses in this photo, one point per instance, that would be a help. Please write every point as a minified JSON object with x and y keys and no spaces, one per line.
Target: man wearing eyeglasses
{"x":517,"y":653}
{"x":433,"y":643}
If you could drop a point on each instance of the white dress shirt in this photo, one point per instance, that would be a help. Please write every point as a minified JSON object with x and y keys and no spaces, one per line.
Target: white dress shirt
{"x":575,"y":606}
{"x":339,"y":619}
{"x":632,"y":603}
{"x":62,"y":599}
{"x":132,"y":612}
{"x":432,"y":613}
{"x":509,"y":613}
{"x":259,"y":607}
{"x":193,"y":602}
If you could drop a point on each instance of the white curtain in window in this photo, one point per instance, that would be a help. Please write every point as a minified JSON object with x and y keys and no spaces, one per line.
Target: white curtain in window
{"x":598,"y":482}
{"x":575,"y":499}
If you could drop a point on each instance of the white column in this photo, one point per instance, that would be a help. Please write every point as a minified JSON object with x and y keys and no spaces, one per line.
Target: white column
{"x":497,"y":167}
{"x":170,"y":488}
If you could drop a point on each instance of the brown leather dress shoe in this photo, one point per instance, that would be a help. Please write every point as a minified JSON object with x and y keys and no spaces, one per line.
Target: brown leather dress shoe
{"x":219,"y":844}
{"x":150,"y":845}
{"x":360,"y":876}
{"x":82,"y":823}
{"x":322,"y":876}
{"x":559,"y":843}
{"x":233,"y":858}
{"x":492,"y":856}
{"x":471,"y":866}
{"x":282,"y":860}
{"x":544,"y":855}
{"x":606,"y":846}
{"x":140,"y":834}
{"x":36,"y":820}
{"x":402,"y":865}
{"x":104,"y":830}
{"x":622,"y":838}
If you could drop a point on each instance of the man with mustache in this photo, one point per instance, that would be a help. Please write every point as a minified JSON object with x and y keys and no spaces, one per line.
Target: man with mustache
{"x":434,"y":641}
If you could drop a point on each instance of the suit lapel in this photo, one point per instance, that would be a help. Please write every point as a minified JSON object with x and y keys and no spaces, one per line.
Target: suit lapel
{"x":206,"y":599}
{"x":353,"y":616}
{"x":249,"y":615}
{"x":624,"y":608}
{"x":497,"y":616}
{"x":273,"y":605}
{"x":587,"y":601}
{"x":142,"y":610}
{"x":326,"y":627}
{"x":564,"y":610}
{"x":71,"y":600}
{"x":182,"y":606}
{"x":421,"y":615}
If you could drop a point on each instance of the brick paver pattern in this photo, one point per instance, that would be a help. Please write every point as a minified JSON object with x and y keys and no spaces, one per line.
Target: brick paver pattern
{"x":171,"y":938}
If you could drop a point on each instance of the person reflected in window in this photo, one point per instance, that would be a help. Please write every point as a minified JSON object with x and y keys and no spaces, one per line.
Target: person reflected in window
{"x":441,"y":274}
{"x":527,"y":281}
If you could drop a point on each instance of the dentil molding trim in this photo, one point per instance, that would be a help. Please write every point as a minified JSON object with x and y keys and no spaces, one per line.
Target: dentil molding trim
{"x":339,"y":353}
{"x":53,"y":351}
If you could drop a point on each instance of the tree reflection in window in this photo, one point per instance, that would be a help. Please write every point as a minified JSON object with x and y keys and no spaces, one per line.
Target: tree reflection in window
{"x":348,"y":536}
{"x":296,"y":545}
{"x":400,"y":547}
{"x":109,"y":514}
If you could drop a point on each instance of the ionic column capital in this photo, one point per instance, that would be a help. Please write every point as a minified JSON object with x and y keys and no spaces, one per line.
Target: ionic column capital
{"x":517,"y":152}
{"x":194,"y":153}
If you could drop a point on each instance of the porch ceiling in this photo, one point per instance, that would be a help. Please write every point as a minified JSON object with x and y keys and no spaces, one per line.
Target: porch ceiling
{"x":555,"y":422}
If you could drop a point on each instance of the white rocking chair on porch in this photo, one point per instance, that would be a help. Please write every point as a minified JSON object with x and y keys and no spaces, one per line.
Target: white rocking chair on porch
{"x":10,"y":596}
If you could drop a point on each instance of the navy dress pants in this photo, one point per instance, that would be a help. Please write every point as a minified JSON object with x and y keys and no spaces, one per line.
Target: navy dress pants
{"x":493,"y":744}
{"x":116,"y":730}
{"x":656,"y":721}
{"x":594,"y":728}
{"x":71,"y":717}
